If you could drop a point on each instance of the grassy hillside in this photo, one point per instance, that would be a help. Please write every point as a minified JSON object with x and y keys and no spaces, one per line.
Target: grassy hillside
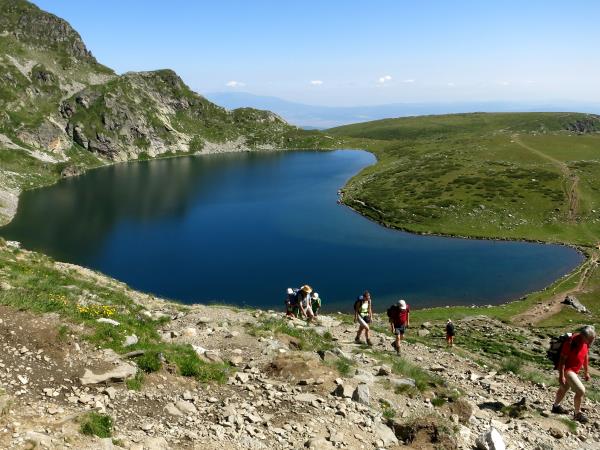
{"x":507,"y":176}
{"x":526,"y":175}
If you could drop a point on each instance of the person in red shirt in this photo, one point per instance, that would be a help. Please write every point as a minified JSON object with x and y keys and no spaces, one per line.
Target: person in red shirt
{"x":574,"y":356}
{"x":399,"y":322}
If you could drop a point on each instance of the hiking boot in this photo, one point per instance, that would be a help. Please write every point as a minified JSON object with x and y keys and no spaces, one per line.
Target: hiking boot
{"x":369,"y":343}
{"x":581,"y":418}
{"x":558,"y":409}
{"x":356,"y":340}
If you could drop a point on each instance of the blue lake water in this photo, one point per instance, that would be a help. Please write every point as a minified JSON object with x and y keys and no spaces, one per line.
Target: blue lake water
{"x":241,"y":228}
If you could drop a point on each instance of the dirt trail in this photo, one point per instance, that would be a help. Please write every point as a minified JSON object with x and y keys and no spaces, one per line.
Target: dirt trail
{"x":552,"y":306}
{"x":571,"y":181}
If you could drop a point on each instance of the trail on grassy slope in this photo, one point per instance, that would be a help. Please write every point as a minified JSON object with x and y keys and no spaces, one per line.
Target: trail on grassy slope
{"x":571,"y":180}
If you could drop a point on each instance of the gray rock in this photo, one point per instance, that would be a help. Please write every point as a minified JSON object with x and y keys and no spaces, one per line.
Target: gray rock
{"x":361,"y":394}
{"x":120,"y":373}
{"x":108,"y":321}
{"x":79,"y":136}
{"x":343,"y":390}
{"x":490,"y":440}
{"x":186,"y":407}
{"x":400,"y":382}
{"x":305,"y":397}
{"x":155,"y":443}
{"x":423,"y":332}
{"x":385,"y":433}
{"x":574,"y":303}
{"x":130,"y":340}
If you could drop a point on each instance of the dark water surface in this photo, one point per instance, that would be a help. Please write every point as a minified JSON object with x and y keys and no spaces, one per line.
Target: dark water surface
{"x":241,"y":228}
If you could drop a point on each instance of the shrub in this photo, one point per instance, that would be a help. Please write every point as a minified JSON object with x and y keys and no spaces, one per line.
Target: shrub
{"x":513,"y":365}
{"x":149,"y":362}
{"x":95,"y":424}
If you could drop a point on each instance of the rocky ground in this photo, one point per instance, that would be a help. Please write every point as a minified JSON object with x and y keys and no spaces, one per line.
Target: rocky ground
{"x":284,"y":392}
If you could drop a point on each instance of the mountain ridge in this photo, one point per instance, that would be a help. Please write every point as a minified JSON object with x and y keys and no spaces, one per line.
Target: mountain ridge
{"x":61,"y":111}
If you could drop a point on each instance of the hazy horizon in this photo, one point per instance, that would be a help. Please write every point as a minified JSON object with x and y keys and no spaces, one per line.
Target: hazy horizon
{"x":352,"y":53}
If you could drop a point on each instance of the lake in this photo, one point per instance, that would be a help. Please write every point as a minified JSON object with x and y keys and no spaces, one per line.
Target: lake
{"x":241,"y":228}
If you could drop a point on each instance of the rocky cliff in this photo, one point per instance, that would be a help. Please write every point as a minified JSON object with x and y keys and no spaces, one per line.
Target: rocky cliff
{"x":61,"y":111}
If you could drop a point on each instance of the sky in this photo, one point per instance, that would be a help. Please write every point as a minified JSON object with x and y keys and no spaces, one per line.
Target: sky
{"x":350,"y":52}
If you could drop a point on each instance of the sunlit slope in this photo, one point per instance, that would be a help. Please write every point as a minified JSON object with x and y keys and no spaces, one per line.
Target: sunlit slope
{"x":501,"y":175}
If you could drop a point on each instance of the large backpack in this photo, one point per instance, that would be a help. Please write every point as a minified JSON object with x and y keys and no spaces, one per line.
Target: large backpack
{"x":392,"y":312}
{"x":556,"y":345}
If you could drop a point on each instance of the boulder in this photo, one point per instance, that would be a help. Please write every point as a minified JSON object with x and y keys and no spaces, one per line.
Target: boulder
{"x":490,"y":440}
{"x":574,"y":303}
{"x":385,"y":433}
{"x":361,"y":394}
{"x":343,"y":390}
{"x":120,"y":373}
{"x":423,"y":332}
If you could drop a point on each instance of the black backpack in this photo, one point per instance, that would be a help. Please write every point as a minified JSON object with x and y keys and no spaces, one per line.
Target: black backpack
{"x":392,"y":312}
{"x":556,"y":345}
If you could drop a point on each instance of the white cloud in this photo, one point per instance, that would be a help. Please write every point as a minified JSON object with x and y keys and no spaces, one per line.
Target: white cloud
{"x":408,"y":80}
{"x":235,"y":84}
{"x":451,"y":84}
{"x":316,"y":82}
{"x":384,"y":79}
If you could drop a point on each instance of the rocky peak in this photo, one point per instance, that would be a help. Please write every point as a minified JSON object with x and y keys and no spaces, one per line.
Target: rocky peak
{"x":29,"y":24}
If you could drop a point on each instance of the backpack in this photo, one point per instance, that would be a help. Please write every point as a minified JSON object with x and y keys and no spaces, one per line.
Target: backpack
{"x":292,"y":299}
{"x":357,"y":303}
{"x":556,"y":345}
{"x":392,"y":312}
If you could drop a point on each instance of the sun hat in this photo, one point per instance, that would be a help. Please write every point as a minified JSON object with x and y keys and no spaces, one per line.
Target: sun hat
{"x":306,"y":288}
{"x":290,"y":291}
{"x":402,"y":304}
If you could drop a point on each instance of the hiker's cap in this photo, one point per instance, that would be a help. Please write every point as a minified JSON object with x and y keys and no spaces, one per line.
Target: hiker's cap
{"x":402,"y":304}
{"x":290,"y":291}
{"x":306,"y":288}
{"x":315,"y":295}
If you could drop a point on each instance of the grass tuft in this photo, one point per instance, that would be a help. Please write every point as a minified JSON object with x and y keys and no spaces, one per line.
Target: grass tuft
{"x":96,"y":424}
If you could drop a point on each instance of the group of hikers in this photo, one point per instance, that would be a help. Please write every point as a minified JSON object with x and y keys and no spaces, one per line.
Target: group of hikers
{"x":569,"y":352}
{"x":302,"y":303}
{"x":305,"y":303}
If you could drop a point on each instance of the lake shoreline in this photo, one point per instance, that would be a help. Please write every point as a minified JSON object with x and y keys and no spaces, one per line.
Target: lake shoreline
{"x":581,"y":250}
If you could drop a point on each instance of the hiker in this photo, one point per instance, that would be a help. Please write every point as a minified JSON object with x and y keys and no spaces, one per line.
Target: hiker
{"x":305,"y":302}
{"x":363,"y":314}
{"x":449,"y":333}
{"x":574,"y":356}
{"x":291,"y":303}
{"x":316,"y":303}
{"x":399,"y":321}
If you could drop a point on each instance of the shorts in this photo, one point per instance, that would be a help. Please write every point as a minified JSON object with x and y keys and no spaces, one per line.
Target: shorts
{"x":574,"y":383}
{"x":399,"y":330}
{"x":367,"y":319}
